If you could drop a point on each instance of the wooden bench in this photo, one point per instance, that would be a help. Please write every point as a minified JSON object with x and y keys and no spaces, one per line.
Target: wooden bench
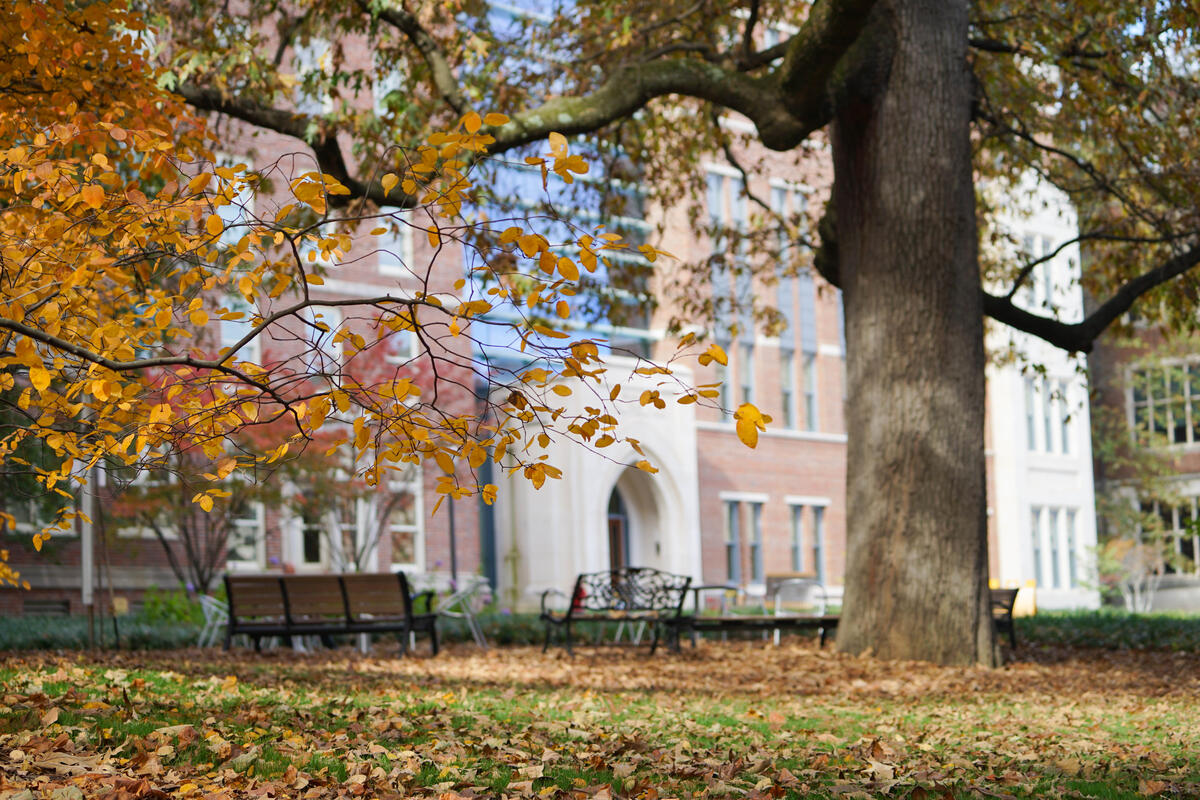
{"x":631,"y":594}
{"x":327,"y":605}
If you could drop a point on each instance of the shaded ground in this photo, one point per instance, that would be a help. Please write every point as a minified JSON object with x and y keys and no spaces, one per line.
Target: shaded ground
{"x":736,"y":719}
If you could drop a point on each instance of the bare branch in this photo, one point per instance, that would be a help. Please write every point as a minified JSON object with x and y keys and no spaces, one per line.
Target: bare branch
{"x":1080,"y":337}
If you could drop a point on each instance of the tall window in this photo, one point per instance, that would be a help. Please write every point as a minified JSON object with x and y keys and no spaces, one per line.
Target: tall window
{"x":404,"y":521}
{"x":746,"y":372}
{"x":1047,"y":417}
{"x":1166,"y":403}
{"x":1030,"y":422}
{"x":235,"y":325}
{"x":395,"y":248}
{"x":323,"y":351}
{"x":1035,"y":532}
{"x":787,"y":386}
{"x":756,"y":543}
{"x":245,"y":548}
{"x":819,"y":542}
{"x":1064,"y":419}
{"x":312,"y":538}
{"x":733,"y":543}
{"x":1072,"y":556}
{"x":1052,"y":530}
{"x":811,"y":420}
{"x":797,"y":538}
{"x":723,"y":398}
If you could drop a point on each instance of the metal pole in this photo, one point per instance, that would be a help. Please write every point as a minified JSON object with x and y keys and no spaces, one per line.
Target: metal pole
{"x":87,"y":561}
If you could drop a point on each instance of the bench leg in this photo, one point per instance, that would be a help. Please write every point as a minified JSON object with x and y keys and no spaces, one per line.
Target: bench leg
{"x":1012,"y":634}
{"x":402,"y":638}
{"x":570,"y":649}
{"x":546,"y":644}
{"x":433,"y":639}
{"x":228,"y":636}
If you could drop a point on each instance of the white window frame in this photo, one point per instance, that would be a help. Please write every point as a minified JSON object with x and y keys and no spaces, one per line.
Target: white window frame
{"x":415,"y":483}
{"x":260,"y":540}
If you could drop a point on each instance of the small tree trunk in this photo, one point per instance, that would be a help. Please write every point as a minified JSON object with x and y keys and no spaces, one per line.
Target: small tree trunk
{"x":916,"y":573}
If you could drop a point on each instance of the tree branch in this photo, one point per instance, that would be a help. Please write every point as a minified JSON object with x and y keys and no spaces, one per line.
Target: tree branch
{"x":443,"y":77}
{"x":1080,"y":337}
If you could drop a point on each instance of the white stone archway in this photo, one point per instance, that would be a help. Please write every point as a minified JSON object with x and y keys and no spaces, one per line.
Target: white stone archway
{"x":546,"y":537}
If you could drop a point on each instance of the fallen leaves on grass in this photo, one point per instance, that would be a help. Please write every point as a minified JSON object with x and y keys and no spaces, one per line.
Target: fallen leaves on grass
{"x":725,"y":720}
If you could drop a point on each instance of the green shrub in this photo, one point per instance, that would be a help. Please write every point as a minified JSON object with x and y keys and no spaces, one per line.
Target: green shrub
{"x":170,"y":607}
{"x":1112,"y":629}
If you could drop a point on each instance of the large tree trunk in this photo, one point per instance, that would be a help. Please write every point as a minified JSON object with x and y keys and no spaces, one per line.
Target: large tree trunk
{"x":916,"y":582}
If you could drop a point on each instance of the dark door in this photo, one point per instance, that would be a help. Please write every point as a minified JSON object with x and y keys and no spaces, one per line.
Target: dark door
{"x":618,"y":532}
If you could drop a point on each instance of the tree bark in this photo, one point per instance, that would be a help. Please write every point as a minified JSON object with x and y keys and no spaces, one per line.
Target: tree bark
{"x":916,"y":572}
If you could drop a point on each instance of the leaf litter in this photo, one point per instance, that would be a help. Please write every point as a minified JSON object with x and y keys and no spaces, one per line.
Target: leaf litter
{"x":726,"y":719}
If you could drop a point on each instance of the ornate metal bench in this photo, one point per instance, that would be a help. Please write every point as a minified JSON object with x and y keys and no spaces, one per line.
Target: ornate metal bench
{"x":632,"y":594}
{"x":327,"y":605}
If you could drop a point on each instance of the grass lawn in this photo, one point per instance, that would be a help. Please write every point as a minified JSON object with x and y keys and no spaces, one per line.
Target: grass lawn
{"x":736,"y":719}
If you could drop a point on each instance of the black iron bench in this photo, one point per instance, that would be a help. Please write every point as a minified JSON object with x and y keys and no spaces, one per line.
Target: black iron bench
{"x":1003,"y":601}
{"x":327,"y":605}
{"x":635,"y":595}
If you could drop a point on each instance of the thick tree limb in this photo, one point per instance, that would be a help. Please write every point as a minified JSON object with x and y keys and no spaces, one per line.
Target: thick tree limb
{"x":814,"y":53}
{"x":1081,"y":336}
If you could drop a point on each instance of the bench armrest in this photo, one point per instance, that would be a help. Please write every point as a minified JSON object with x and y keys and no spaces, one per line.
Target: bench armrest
{"x":550,"y":613}
{"x":429,"y":595}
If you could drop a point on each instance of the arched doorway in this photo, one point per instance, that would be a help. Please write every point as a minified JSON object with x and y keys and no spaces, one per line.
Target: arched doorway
{"x":618,"y":531}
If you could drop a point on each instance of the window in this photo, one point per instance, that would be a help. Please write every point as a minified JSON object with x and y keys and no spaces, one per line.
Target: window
{"x":1030,"y":422}
{"x":1052,"y":530}
{"x":1165,"y":403}
{"x":797,"y":538}
{"x":746,"y":372}
{"x":402,"y":514}
{"x":1181,"y":530}
{"x":237,"y":324}
{"x":322,"y":350}
{"x":819,"y":543}
{"x":401,"y":347}
{"x":1064,"y":420}
{"x":733,"y":544}
{"x":308,"y":58}
{"x":312,"y":538}
{"x":1047,"y":417}
{"x":810,"y":392}
{"x":245,"y":548}
{"x":395,"y":248}
{"x":1035,"y":530}
{"x":1072,"y":556}
{"x":723,"y":392}
{"x":756,"y":543}
{"x":787,"y":386}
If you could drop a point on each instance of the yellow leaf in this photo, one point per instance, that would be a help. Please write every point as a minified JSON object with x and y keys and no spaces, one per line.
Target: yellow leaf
{"x":472,"y":122}
{"x":495,"y":119}
{"x":93,"y":195}
{"x":646,"y":466}
{"x":562,"y":391}
{"x":558,"y":142}
{"x":567,"y":268}
{"x":206,"y":502}
{"x":563,"y":308}
{"x":214,"y":225}
{"x":389,"y":182}
{"x":444,"y":461}
{"x":434,"y":237}
{"x":39,"y":377}
{"x":199,"y":318}
{"x":616,"y":390}
{"x":315,"y":280}
{"x":199,"y":183}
